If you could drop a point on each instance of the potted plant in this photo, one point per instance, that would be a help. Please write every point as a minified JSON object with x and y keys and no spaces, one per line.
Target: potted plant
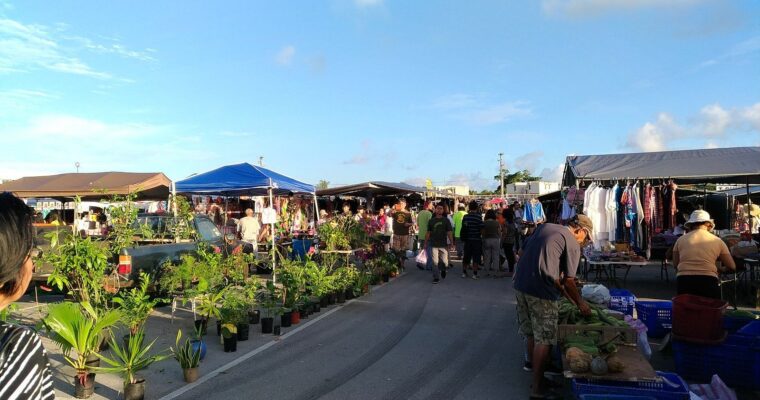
{"x":292,"y":276}
{"x":271,"y":302}
{"x":234,"y":311}
{"x":198,"y":343}
{"x":79,"y":328}
{"x":208,"y":307}
{"x":251,"y":287}
{"x":229,"y":337}
{"x":136,"y":305}
{"x":188,"y":357}
{"x":130,"y":359}
{"x":79,"y":266}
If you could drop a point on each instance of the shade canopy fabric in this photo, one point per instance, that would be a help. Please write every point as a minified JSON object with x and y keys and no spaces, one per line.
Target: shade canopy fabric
{"x":728,"y":165}
{"x":91,"y":185}
{"x":241,"y":179}
{"x":373,"y":188}
{"x":740,"y":192}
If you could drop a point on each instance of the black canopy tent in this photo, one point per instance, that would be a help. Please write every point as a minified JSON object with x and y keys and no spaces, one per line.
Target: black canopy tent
{"x":739,"y":165}
{"x":728,"y":165}
{"x":372,"y":188}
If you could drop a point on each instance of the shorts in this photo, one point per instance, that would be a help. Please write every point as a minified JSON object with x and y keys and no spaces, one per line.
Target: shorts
{"x":537,"y":318}
{"x":400,"y":242}
{"x":473,"y":252}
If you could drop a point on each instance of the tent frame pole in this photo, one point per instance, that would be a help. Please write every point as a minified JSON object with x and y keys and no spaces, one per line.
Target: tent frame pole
{"x":316,"y":210}
{"x":274,"y":249}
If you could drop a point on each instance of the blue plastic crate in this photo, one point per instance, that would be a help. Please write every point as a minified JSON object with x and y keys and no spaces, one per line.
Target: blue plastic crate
{"x":672,"y":388}
{"x":622,"y":300}
{"x":751,"y":329}
{"x":736,"y":361}
{"x":613,"y":397}
{"x":657,"y":316}
{"x":733,"y":324}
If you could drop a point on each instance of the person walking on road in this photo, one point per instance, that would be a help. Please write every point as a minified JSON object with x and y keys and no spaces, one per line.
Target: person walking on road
{"x":458,"y":229}
{"x":437,"y":238}
{"x":491,"y":243}
{"x":508,"y":238}
{"x":423,"y":219}
{"x":547,"y":267}
{"x":472,"y":227}
{"x":402,"y":222}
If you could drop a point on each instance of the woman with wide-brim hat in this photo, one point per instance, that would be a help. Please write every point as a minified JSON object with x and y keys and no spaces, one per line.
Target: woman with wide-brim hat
{"x":695,"y":257}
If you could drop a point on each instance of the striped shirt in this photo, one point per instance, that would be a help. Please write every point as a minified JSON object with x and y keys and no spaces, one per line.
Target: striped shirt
{"x":472,"y":224}
{"x":24,"y":366}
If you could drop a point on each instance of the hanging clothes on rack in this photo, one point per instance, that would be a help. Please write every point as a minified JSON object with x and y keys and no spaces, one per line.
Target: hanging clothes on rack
{"x":612,"y":210}
{"x":534,"y":212}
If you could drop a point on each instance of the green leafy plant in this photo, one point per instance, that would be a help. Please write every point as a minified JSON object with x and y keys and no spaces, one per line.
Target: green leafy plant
{"x":271,"y":299}
{"x":344,"y":277}
{"x":320,"y":282}
{"x":363,"y":280}
{"x":7,"y":312}
{"x":235,"y":306}
{"x":229,"y":330}
{"x":182,"y":224}
{"x":293,"y":277}
{"x":124,"y":225}
{"x":79,"y":266}
{"x":209,"y":305}
{"x":130,"y":358}
{"x":79,"y":328}
{"x":184,"y":353}
{"x":135,"y":304}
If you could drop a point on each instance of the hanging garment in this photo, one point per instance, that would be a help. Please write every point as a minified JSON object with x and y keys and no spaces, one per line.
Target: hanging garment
{"x":620,"y":229}
{"x":612,"y":207}
{"x":534,"y":212}
{"x":601,"y":229}
{"x":673,"y":205}
{"x":586,"y":197}
{"x":639,"y":216}
{"x":568,"y":211}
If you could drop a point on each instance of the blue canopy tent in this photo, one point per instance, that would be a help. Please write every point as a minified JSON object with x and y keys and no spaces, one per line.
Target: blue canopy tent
{"x":245,"y":180}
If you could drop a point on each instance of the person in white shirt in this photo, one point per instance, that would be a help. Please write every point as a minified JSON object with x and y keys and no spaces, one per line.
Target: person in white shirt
{"x":248,"y":227}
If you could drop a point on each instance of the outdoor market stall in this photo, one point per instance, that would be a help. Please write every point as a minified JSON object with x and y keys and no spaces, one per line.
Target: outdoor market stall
{"x":91,"y":185}
{"x":373,"y":191}
{"x":247,"y":180}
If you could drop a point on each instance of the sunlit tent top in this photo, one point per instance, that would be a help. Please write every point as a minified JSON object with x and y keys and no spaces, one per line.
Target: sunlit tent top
{"x":241,"y":179}
{"x":728,"y":165}
{"x":91,"y":185}
{"x":375,"y":188}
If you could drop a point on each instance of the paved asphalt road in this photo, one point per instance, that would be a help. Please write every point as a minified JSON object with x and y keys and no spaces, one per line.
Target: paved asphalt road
{"x":408,"y":340}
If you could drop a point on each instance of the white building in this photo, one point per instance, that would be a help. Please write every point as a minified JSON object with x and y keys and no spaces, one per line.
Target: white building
{"x":535,"y":188}
{"x":458,"y":190}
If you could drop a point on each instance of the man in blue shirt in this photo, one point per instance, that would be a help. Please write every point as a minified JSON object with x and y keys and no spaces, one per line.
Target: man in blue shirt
{"x":547,"y":267}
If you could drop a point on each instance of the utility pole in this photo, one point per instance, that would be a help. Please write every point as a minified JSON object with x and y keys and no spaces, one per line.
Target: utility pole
{"x":501,"y":173}
{"x":261,"y":161}
{"x":76,"y":164}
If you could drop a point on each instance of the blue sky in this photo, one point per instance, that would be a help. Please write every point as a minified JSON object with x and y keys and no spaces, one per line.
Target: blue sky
{"x":353,"y":90}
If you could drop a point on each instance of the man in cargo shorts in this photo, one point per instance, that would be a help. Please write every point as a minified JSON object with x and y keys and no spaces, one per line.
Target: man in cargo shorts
{"x":402,"y":222}
{"x":546,"y":269}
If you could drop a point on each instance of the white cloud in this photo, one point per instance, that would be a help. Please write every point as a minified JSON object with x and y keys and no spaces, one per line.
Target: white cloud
{"x":500,"y":113}
{"x":16,"y":101}
{"x":368,"y":3}
{"x":590,"y":8}
{"x":739,"y":50}
{"x":713,"y":122}
{"x":363,"y":156}
{"x":553,"y":174}
{"x":29,"y":47}
{"x":285,"y":55}
{"x":529,"y":161}
{"x":478,"y":110}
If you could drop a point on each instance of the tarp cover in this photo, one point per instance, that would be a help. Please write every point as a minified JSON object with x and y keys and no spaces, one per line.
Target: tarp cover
{"x":241,"y":179}
{"x":375,"y":188}
{"x":91,"y":185}
{"x":728,"y":165}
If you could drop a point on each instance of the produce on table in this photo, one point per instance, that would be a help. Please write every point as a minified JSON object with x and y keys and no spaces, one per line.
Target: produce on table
{"x":741,"y":314}
{"x":578,"y":360}
{"x":615,"y":364}
{"x":599,"y":366}
{"x":570,"y":314}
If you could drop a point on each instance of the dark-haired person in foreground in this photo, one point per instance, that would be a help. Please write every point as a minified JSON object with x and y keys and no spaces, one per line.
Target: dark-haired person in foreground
{"x":24,"y":366}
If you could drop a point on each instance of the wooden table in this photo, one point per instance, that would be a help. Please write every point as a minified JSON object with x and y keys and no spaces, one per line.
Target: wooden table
{"x":637,"y":368}
{"x":609,"y":268}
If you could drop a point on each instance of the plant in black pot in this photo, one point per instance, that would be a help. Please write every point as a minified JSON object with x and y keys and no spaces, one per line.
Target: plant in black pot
{"x":188,"y":357}
{"x":128,"y":360}
{"x":251,"y":288}
{"x":136,"y":305}
{"x":79,"y":328}
{"x":292,"y":275}
{"x":235,"y":306}
{"x":229,"y":337}
{"x":271,"y":303}
{"x":362,"y":283}
{"x":208,"y":306}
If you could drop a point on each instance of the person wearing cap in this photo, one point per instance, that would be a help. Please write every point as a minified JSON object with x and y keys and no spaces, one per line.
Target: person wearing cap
{"x":695,"y":257}
{"x":546,"y":269}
